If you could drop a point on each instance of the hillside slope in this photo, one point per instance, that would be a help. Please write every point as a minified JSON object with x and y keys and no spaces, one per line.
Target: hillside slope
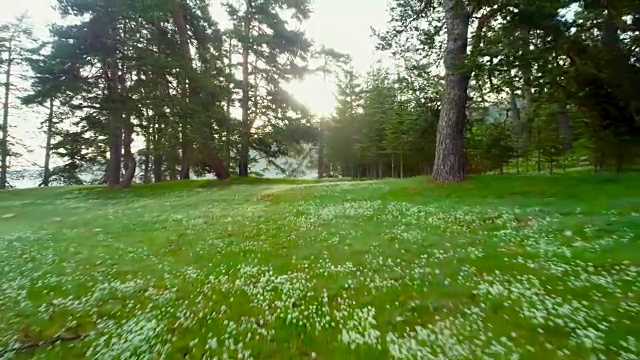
{"x":529,"y":267}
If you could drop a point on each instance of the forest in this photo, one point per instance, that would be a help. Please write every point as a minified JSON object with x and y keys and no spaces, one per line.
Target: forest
{"x":476,"y":195}
{"x":156,"y":91}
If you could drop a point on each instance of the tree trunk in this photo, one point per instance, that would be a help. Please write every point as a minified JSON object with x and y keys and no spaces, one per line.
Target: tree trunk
{"x":393,"y":166}
{"x":47,"y":148}
{"x":115,"y":120}
{"x":321,"y":171}
{"x":526,"y":77}
{"x":158,"y":161}
{"x":245,"y":138}
{"x":185,"y":153}
{"x":217,"y":167}
{"x":146,"y":177}
{"x":228,"y":130}
{"x":4,"y":141}
{"x":128,"y":156}
{"x":186,"y":85}
{"x":564,"y":125}
{"x":520,"y":126}
{"x":401,"y":166}
{"x":158,"y":156}
{"x":449,"y":158}
{"x":172,"y":165}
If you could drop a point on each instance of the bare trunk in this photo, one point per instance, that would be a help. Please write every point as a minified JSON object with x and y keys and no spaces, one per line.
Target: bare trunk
{"x":4,"y":141}
{"x":245,"y":138}
{"x":539,"y":151}
{"x":47,"y":148}
{"x":146,"y":178}
{"x":115,"y":126}
{"x":157,"y":168}
{"x":227,"y":138}
{"x":321,"y":171}
{"x":172,"y":165}
{"x":186,"y":141}
{"x":517,"y":120}
{"x":185,"y":152}
{"x":449,"y":158}
{"x":526,"y":75}
{"x":564,"y":125}
{"x":158,"y":156}
{"x":393,"y":166}
{"x":128,"y":156}
{"x":401,"y":166}
{"x":217,"y":166}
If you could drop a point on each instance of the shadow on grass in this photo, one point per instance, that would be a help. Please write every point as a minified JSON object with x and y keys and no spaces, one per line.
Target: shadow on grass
{"x":147,"y":190}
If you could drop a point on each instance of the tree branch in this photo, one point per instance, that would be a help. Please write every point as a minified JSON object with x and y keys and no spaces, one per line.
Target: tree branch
{"x":37,"y":344}
{"x":483,"y":21}
{"x":424,"y":7}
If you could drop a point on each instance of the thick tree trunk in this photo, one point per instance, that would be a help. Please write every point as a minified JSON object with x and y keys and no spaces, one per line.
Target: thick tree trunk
{"x":4,"y":141}
{"x":217,"y":167}
{"x":158,"y":161}
{"x":115,"y":155}
{"x":46,"y":177}
{"x":128,"y":156}
{"x":245,"y":135}
{"x":449,"y":157}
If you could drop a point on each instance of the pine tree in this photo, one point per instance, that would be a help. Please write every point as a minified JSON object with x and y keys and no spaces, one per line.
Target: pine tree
{"x":15,"y":39}
{"x":272,"y":54}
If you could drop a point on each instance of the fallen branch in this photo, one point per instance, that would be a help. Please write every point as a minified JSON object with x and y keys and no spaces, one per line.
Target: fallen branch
{"x":37,"y":344}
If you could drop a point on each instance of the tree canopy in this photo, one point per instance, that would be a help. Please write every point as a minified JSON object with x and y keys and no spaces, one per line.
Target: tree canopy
{"x":149,"y":91}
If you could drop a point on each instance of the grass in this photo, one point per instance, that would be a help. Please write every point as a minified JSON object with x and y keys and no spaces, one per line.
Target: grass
{"x":499,"y":267}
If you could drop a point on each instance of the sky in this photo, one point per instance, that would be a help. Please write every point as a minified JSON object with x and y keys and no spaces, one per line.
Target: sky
{"x":344,"y":25}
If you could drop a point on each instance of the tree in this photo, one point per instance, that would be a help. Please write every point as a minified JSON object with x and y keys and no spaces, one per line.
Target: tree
{"x":331,"y":61}
{"x":456,"y":16}
{"x":127,"y":69}
{"x":271,"y":56}
{"x":15,"y":38}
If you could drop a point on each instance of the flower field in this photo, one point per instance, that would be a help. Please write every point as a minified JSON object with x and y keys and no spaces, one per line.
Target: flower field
{"x":496,"y":268}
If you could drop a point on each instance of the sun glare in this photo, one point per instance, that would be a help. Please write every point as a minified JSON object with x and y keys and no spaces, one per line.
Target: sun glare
{"x":316,"y":93}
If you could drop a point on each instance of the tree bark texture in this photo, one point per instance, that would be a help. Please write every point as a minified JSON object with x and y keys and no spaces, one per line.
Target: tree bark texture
{"x":449,"y":157}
